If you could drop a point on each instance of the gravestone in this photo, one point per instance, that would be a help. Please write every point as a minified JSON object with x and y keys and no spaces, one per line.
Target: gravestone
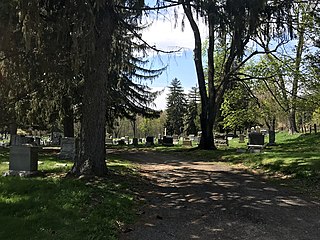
{"x":241,"y":138}
{"x":221,"y":139}
{"x":68,"y":148}
{"x":256,"y":138}
{"x":23,"y":159}
{"x":167,"y":141}
{"x":272,"y":138}
{"x":255,"y":142}
{"x":191,"y":137}
{"x":56,"y":138}
{"x":187,"y":143}
{"x":135,"y":141}
{"x":126,"y":139}
{"x":149,"y":140}
{"x":16,"y":140}
{"x":175,"y":139}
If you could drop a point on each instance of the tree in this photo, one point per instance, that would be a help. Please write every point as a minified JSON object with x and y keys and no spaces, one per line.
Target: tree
{"x":176,"y":108}
{"x":234,"y":23}
{"x":240,"y":109}
{"x":192,"y":112}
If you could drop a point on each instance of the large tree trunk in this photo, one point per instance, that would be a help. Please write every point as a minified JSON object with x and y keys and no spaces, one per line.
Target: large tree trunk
{"x":68,"y":117}
{"x":207,"y":102}
{"x":91,"y":156}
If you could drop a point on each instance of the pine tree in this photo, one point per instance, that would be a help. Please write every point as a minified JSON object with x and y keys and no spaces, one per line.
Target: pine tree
{"x":176,"y":108}
{"x":192,"y":112}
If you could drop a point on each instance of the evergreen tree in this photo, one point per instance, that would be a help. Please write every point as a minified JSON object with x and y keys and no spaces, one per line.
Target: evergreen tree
{"x":192,"y":112}
{"x":176,"y":108}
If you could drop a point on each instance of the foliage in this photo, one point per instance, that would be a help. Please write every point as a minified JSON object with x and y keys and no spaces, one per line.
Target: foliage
{"x":239,"y":109}
{"x":176,"y":108}
{"x":192,"y":123}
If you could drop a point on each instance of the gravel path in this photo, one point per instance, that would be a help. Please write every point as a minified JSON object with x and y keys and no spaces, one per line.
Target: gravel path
{"x":193,"y":199}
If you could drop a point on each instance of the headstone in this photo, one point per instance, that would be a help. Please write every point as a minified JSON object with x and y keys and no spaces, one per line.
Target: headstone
{"x":23,"y":158}
{"x":167,"y":141}
{"x":135,"y":141}
{"x":175,"y":139}
{"x":272,"y":138}
{"x":221,"y":139}
{"x":109,"y":141}
{"x":121,"y":142}
{"x":187,"y":143}
{"x":16,"y":140}
{"x":68,"y":148}
{"x":150,"y":140}
{"x":56,"y":138}
{"x":37,"y":141}
{"x":126,"y":139}
{"x":191,"y":137}
{"x":241,"y":138}
{"x":256,"y":138}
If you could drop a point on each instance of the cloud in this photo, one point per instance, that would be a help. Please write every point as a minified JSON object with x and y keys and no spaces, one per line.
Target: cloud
{"x":166,"y":32}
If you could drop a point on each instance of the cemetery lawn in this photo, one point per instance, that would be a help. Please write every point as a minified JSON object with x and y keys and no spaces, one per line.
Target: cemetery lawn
{"x":295,"y":160}
{"x":51,"y":206}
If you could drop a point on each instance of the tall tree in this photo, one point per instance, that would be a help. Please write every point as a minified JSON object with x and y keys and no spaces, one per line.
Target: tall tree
{"x":176,"y":108}
{"x":235,"y":23}
{"x":192,"y":112}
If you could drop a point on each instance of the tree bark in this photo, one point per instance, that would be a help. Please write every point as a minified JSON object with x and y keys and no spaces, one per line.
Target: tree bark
{"x":91,"y":156}
{"x":207,"y":102}
{"x":68,"y":117}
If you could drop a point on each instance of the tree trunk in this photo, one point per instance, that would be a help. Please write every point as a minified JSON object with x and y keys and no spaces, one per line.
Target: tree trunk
{"x":68,"y":117}
{"x":13,"y":127}
{"x":207,"y":102}
{"x":90,"y":159}
{"x":292,"y":122}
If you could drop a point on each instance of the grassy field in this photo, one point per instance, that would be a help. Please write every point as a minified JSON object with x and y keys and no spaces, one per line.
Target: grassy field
{"x":53,"y":207}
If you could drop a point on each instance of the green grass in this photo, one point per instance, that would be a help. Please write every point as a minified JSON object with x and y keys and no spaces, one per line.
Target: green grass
{"x":53,"y":207}
{"x":295,"y":156}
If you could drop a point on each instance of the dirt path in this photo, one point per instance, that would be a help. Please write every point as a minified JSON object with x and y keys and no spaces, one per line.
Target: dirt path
{"x":193,"y":199}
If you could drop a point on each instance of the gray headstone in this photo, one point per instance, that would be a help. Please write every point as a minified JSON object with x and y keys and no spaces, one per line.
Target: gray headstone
{"x":23,"y":158}
{"x":256,"y":138}
{"x":241,"y":138}
{"x":68,"y":148}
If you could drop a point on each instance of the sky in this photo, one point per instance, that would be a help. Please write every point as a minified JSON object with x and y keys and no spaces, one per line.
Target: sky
{"x":166,"y":36}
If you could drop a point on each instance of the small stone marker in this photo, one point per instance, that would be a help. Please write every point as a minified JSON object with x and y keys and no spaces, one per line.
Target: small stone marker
{"x":241,"y":138}
{"x":187,"y":143}
{"x":109,"y":141}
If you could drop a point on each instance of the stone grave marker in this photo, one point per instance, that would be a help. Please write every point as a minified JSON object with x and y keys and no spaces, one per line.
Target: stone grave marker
{"x":23,"y":160}
{"x":68,"y":148}
{"x":255,"y":142}
{"x":149,"y":140}
{"x":109,"y":141}
{"x":191,"y":137}
{"x":241,"y":138}
{"x":135,"y":142}
{"x":272,"y":138}
{"x":187,"y":143}
{"x":167,"y":141}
